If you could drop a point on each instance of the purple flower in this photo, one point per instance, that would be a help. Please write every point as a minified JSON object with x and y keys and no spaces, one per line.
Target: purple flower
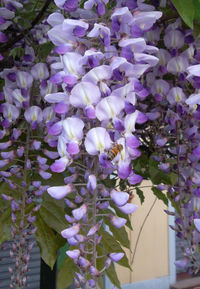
{"x":84,"y":94}
{"x":10,"y":112}
{"x":117,"y":221}
{"x":128,"y":208}
{"x":134,"y":179}
{"x":109,"y":107}
{"x":181,"y":263}
{"x":97,"y":140}
{"x":99,"y":4}
{"x":68,"y":5}
{"x":94,"y":271}
{"x":55,"y":19}
{"x":80,"y":212}
{"x":60,"y":191}
{"x":71,"y":232}
{"x":120,"y":17}
{"x":177,"y":65}
{"x":92,"y":183}
{"x":40,"y":71}
{"x":174,"y":39}
{"x":77,"y":28}
{"x":83,"y":262}
{"x":115,"y":257}
{"x":129,"y":122}
{"x":33,"y":114}
{"x":73,"y":129}
{"x":94,"y":228}
{"x":3,"y":37}
{"x":119,"y":198}
{"x":74,"y":254}
{"x":197,"y":224}
{"x":24,"y":79}
{"x":102,"y":32}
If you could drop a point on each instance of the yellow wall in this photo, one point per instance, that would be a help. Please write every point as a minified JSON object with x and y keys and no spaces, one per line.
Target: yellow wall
{"x":151,"y":258}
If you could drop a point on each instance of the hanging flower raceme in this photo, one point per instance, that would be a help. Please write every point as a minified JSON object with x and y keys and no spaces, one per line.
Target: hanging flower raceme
{"x":94,"y":135}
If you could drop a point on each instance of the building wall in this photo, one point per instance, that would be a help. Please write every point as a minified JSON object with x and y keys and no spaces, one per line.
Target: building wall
{"x":151,"y":258}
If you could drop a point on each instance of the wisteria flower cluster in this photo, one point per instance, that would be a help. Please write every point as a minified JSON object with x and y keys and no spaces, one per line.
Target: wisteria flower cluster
{"x":104,"y":98}
{"x":101,"y":56}
{"x":174,"y":105}
{"x":75,"y":115}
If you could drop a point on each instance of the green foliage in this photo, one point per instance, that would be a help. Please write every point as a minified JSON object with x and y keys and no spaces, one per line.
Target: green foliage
{"x":196,"y":4}
{"x":140,"y":195}
{"x":47,"y":241}
{"x":44,"y":50}
{"x":101,"y":282}
{"x":186,"y":10}
{"x":111,"y":273}
{"x":157,"y":176}
{"x":52,"y":212}
{"x":160,"y":195}
{"x":17,"y":52}
{"x":66,"y":273}
{"x":189,"y":10}
{"x":5,"y":226}
{"x":110,"y":182}
{"x":62,"y":255}
{"x":120,"y":234}
{"x":111,"y":245}
{"x":141,"y":166}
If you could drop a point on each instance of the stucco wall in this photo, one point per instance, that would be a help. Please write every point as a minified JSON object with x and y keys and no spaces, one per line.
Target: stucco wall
{"x":151,"y":258}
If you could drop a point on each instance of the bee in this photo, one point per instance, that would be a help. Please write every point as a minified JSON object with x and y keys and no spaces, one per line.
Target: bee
{"x":114,"y":151}
{"x":131,"y":196}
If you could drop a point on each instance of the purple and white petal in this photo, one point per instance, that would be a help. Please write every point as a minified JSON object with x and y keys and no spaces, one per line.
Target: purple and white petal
{"x":128,"y":208}
{"x":117,"y":221}
{"x":97,"y":140}
{"x":74,"y":254}
{"x":80,"y":212}
{"x":59,"y":192}
{"x":119,"y":198}
{"x":115,"y":257}
{"x":84,"y":94}
{"x":71,"y":232}
{"x":109,"y":107}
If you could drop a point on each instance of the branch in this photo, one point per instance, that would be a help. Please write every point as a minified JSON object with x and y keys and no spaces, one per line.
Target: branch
{"x":10,"y":43}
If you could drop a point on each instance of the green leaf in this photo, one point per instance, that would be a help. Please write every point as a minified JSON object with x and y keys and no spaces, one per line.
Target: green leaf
{"x":66,"y":274}
{"x":47,"y":241}
{"x":120,"y":234}
{"x":112,"y":275}
{"x":100,"y":262}
{"x":44,"y":50}
{"x":25,"y":23}
{"x":5,"y":226}
{"x":101,"y":282}
{"x":111,"y":245}
{"x":186,"y":10}
{"x":140,"y":195}
{"x":53,"y":214}
{"x":17,"y":52}
{"x":160,"y":195}
{"x":110,"y":183}
{"x":140,"y":165}
{"x":62,"y":255}
{"x":196,"y":4}
{"x":196,"y":29}
{"x":174,"y":204}
{"x":157,"y":176}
